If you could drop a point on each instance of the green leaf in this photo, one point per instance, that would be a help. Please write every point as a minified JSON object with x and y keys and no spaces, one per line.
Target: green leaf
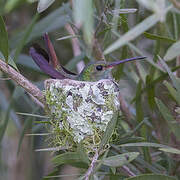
{"x":133,"y":33}
{"x":109,"y":130}
{"x":7,"y":115}
{"x":170,"y":150}
{"x":173,"y":92}
{"x":169,"y":118}
{"x":82,"y":153}
{"x":150,"y":92}
{"x":27,"y":125}
{"x":10,"y":61}
{"x":72,"y":158}
{"x":155,"y":81}
{"x":139,"y":109}
{"x":173,"y":51}
{"x":151,"y":177}
{"x":43,"y":5}
{"x":67,"y":37}
{"x":24,"y":39}
{"x":11,"y":4}
{"x":120,"y":160}
{"x":4,"y":47}
{"x":3,"y":127}
{"x":155,"y":145}
{"x":83,"y":15}
{"x":4,"y":105}
{"x":32,"y":115}
{"x":157,"y":37}
{"x":175,"y":80}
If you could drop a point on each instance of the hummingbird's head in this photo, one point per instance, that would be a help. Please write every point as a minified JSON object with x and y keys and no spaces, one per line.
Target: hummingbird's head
{"x":95,"y":71}
{"x":101,"y":69}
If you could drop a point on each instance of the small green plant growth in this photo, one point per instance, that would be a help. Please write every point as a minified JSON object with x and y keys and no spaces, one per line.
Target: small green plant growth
{"x":135,"y":133}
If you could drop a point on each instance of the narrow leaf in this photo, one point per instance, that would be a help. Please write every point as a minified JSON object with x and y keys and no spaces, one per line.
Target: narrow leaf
{"x":109,"y":130}
{"x":139,"y":109}
{"x":173,"y":51}
{"x":4,"y":47}
{"x":43,"y":5}
{"x":25,"y":37}
{"x":173,"y":92}
{"x":151,"y":177}
{"x":169,"y":118}
{"x":120,"y":160}
{"x":150,"y":92}
{"x":10,"y":5}
{"x":157,"y":37}
{"x":175,"y":80}
{"x":133,"y":33}
{"x":124,"y":11}
{"x":72,"y":158}
{"x":83,"y":15}
{"x":155,"y":145}
{"x":67,"y":37}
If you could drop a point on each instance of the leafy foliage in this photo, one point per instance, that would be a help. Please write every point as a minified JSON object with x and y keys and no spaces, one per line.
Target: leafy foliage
{"x":146,"y":142}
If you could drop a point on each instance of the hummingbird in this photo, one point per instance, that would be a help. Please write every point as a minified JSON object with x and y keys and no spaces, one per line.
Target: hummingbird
{"x":49,"y":64}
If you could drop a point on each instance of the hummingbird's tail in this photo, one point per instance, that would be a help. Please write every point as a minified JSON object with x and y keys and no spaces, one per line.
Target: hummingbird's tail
{"x":52,"y":54}
{"x":43,"y":64}
{"x":48,"y":62}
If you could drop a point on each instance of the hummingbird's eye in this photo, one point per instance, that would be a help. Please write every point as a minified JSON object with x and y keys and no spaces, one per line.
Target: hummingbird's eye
{"x":99,"y":67}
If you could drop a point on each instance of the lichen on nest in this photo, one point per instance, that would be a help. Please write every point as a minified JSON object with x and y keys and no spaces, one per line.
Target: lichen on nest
{"x":80,"y":111}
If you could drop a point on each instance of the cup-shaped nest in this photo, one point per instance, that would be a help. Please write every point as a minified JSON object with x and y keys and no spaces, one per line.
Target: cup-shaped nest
{"x":80,"y":111}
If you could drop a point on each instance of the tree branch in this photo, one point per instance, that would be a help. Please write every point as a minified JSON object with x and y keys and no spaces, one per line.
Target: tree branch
{"x":92,"y":165}
{"x":175,"y":3}
{"x":22,"y":81}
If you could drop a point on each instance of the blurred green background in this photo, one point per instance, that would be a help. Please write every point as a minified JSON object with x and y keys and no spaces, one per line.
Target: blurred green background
{"x":116,"y":29}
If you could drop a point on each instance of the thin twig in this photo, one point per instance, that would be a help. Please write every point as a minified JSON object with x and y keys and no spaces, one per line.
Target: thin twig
{"x":76,"y":48}
{"x":22,"y":81}
{"x":92,"y":165}
{"x":98,"y":53}
{"x":175,"y":3}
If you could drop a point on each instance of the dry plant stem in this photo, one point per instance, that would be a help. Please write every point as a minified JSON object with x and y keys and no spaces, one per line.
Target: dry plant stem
{"x":22,"y":81}
{"x":97,"y":50}
{"x":175,"y":3}
{"x":92,"y":165}
{"x":76,"y":48}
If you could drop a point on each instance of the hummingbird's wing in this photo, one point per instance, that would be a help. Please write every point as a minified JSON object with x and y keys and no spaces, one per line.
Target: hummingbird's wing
{"x":40,"y":58}
{"x":53,"y":57}
{"x":41,"y":51}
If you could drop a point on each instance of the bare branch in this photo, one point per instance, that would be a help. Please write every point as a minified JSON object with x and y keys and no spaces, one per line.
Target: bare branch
{"x":92,"y":165}
{"x":22,"y":81}
{"x":175,"y":3}
{"x":76,"y":48}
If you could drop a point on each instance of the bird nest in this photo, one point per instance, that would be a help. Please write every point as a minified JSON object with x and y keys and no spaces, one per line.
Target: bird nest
{"x":80,"y":111}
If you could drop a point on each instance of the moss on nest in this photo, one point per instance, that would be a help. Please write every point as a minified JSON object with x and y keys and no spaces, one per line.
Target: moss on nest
{"x":80,"y":111}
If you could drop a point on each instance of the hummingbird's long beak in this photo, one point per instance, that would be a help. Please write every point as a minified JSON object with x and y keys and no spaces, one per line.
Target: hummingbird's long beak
{"x":112,"y":64}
